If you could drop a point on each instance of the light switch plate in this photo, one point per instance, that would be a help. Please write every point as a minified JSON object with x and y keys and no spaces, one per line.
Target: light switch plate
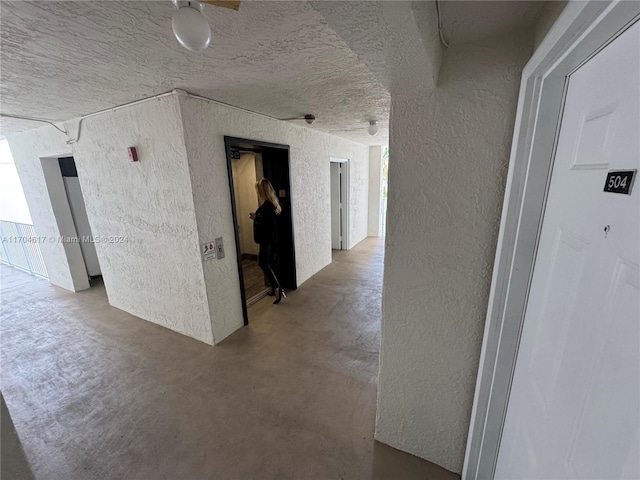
{"x":219,"y":248}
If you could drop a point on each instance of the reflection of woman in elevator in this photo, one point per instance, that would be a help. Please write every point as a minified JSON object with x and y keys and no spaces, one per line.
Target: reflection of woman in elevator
{"x":265,"y":234}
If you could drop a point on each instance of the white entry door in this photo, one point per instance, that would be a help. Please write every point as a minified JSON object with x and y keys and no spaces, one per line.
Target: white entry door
{"x":574,"y":407}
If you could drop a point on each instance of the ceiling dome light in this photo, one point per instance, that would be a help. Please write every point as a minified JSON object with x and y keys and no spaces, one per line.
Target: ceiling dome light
{"x":190,"y":27}
{"x":373,"y":128}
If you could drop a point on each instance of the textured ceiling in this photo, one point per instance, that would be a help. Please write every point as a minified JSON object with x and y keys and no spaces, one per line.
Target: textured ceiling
{"x":469,"y":21}
{"x":337,"y":60}
{"x":64,"y":59}
{"x":398,"y":41}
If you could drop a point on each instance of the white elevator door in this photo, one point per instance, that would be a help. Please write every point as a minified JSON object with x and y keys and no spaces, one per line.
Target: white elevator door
{"x":574,"y":408}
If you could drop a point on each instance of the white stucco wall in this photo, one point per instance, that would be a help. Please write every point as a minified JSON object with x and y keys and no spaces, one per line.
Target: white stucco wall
{"x":206,"y":124}
{"x":64,"y":263}
{"x":375,"y":190}
{"x":176,"y":197}
{"x":156,"y":274}
{"x":449,"y":153}
{"x":358,"y":197}
{"x":546,"y":18}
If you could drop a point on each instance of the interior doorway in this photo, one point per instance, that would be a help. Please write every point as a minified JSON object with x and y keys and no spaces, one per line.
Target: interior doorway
{"x":339,"y":171}
{"x":247,"y":170}
{"x":68,"y":205}
{"x":247,"y":162}
{"x":79,"y":215}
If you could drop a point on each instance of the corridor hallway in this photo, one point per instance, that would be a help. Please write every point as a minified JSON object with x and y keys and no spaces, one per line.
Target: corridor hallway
{"x":96,"y":393}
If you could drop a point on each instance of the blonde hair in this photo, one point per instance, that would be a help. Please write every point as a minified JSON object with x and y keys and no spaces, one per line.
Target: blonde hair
{"x":266,"y":192}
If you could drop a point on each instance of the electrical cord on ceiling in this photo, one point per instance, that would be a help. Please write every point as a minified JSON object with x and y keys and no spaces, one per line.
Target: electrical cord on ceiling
{"x":444,"y":42}
{"x":113,"y":109}
{"x":33,"y":120}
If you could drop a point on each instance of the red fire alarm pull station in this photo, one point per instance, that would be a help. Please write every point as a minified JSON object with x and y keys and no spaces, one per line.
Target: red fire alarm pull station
{"x":133,"y":154}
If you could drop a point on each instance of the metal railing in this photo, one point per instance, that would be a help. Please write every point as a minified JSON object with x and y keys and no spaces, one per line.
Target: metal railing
{"x":20,"y":248}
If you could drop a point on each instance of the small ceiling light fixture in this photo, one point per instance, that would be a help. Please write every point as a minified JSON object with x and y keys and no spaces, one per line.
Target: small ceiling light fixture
{"x":373,"y":128}
{"x":190,"y":26}
{"x":309,"y":118}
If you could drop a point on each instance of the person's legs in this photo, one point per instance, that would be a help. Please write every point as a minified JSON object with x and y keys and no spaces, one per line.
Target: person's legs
{"x":264,"y":260}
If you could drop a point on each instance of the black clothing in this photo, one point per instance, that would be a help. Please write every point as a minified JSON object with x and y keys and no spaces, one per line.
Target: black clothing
{"x":265,"y":260}
{"x":264,"y":225}
{"x":265,"y":234}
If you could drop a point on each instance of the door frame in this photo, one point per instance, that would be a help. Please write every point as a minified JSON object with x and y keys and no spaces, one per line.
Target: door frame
{"x":68,"y":170}
{"x":230,"y":142}
{"x":344,"y":187}
{"x":581,"y":31}
{"x":66,"y":227}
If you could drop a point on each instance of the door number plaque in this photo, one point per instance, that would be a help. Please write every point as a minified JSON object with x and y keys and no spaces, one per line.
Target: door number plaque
{"x":620,"y":181}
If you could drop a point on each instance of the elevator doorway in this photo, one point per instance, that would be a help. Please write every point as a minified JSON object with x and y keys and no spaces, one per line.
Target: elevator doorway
{"x":79,"y":215}
{"x":247,"y":162}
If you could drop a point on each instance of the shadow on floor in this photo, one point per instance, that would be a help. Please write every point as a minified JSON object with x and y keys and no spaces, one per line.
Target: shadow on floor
{"x":13,"y":463}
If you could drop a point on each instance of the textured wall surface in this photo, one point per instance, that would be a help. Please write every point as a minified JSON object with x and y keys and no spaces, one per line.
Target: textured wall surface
{"x":63,"y":260}
{"x":398,"y":41}
{"x":375,"y":190}
{"x":358,"y":197}
{"x":156,"y":274}
{"x":546,"y":18}
{"x":176,"y":197}
{"x":205,"y":125}
{"x":467,"y":21}
{"x":449,"y":154}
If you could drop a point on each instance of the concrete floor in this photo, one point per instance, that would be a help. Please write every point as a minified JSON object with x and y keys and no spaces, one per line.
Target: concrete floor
{"x":255,"y":282}
{"x":96,"y":393}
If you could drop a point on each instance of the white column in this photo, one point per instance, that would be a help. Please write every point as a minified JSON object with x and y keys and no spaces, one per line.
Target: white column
{"x":375,"y":190}
{"x":449,"y":152}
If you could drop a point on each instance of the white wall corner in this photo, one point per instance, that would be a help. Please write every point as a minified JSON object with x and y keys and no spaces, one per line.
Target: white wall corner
{"x":32,"y":151}
{"x":409,"y":53}
{"x":358,"y":198}
{"x":65,"y":223}
{"x":375,"y":190}
{"x":156,"y":273}
{"x":208,"y":177}
{"x":426,"y":19}
{"x":546,"y":19}
{"x":441,"y":237}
